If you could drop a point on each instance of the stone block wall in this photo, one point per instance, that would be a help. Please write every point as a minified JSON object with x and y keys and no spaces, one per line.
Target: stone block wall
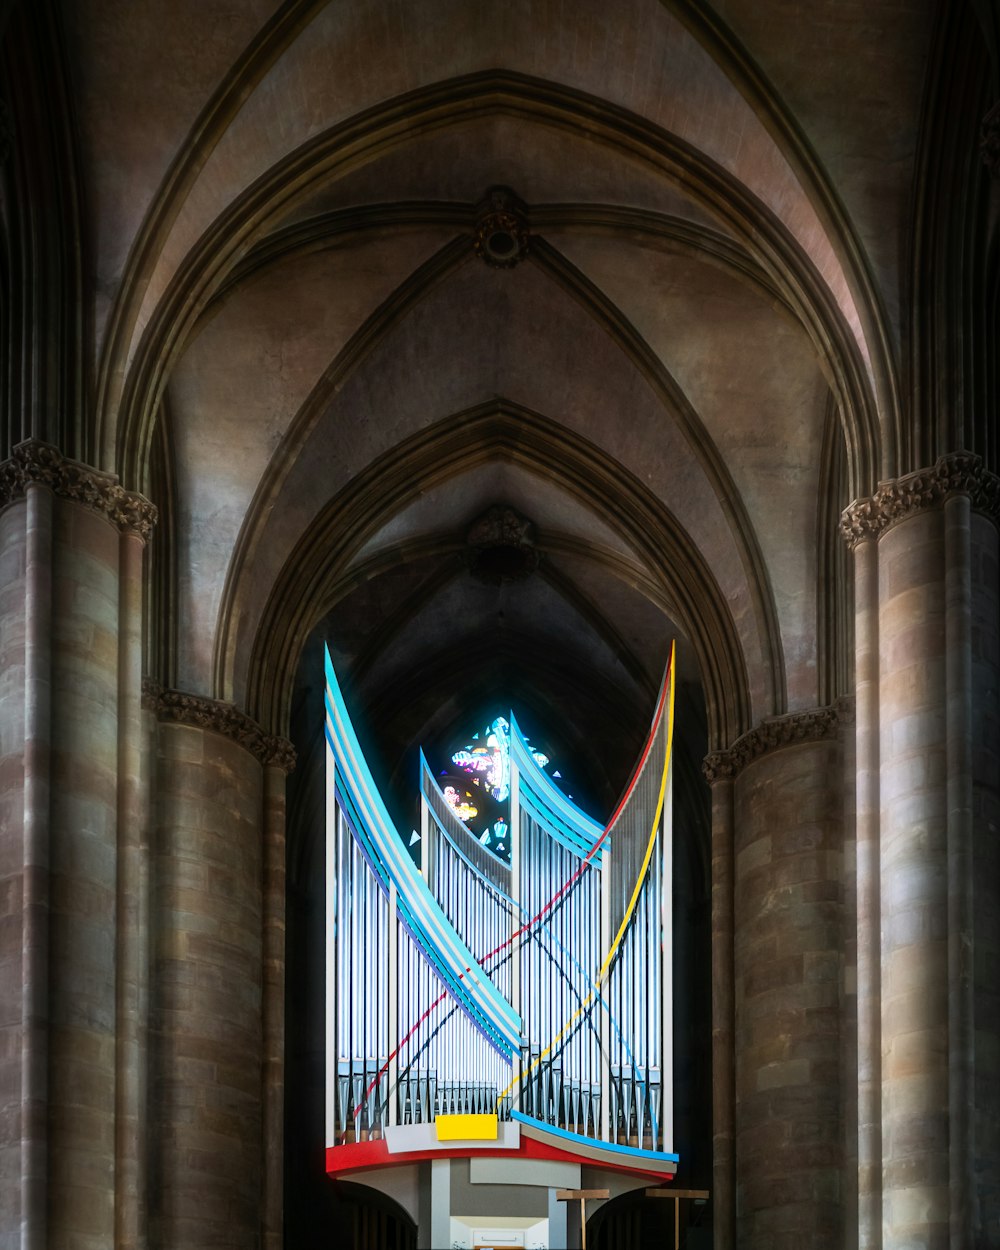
{"x":914,"y":882}
{"x":12,"y":630}
{"x":985,"y":690}
{"x":788,"y":950}
{"x":206,"y":1171}
{"x":83,"y":877}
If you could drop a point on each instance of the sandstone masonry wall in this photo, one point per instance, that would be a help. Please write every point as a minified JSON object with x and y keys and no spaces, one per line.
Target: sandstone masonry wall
{"x":12,"y":750}
{"x":207,"y":982}
{"x":788,"y":924}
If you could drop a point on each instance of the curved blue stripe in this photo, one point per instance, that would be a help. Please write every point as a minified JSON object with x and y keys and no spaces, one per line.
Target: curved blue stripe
{"x":562,"y":834}
{"x":548,"y":793}
{"x":373,"y":814}
{"x":447,"y":953}
{"x":631,"y":1152}
{"x":475,"y":992}
{"x":544,"y":928}
{"x":426,"y":771}
{"x":457,"y":990}
{"x":525,"y":914}
{"x":372,"y":852}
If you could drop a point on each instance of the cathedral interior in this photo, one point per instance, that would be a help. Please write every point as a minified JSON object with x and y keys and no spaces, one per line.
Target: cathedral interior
{"x":497,"y":347}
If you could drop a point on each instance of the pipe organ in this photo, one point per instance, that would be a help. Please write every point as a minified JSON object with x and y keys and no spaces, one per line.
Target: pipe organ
{"x":478,"y":1005}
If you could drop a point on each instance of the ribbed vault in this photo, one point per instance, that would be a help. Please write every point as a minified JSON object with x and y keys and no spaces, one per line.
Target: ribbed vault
{"x":494,"y":434}
{"x":335,"y":153}
{"x":239,"y":269}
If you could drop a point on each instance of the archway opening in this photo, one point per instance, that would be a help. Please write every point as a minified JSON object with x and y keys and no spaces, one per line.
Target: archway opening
{"x":418,"y":666}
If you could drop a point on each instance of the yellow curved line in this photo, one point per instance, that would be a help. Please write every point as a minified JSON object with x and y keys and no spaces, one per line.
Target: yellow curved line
{"x":628,"y":911}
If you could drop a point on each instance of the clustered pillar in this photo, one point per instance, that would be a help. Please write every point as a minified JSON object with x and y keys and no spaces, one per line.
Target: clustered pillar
{"x":913,"y":875}
{"x":217,"y":975}
{"x":14,"y":763}
{"x":141,"y":903}
{"x":985,"y":768}
{"x":142,"y":906}
{"x":71,"y":540}
{"x":928,"y":893}
{"x":867,"y":1114}
{"x":780,"y":791}
{"x":869,"y":966}
{"x":277,"y":760}
{"x":720,"y":769}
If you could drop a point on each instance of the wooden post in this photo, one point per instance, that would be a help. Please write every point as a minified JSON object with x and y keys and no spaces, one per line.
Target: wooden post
{"x":570,"y":1195}
{"x":677,"y":1195}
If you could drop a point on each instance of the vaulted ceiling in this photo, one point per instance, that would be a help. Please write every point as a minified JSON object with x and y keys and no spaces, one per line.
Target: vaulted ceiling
{"x":296,"y":350}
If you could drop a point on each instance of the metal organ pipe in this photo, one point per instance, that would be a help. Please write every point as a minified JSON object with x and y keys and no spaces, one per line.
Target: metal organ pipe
{"x":516,"y":894}
{"x":595,"y":1054}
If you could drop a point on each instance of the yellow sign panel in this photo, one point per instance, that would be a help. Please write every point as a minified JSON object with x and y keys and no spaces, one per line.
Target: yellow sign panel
{"x":466,"y":1127}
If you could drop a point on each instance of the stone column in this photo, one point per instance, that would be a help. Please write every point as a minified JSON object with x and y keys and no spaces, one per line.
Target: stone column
{"x":718,"y":769}
{"x":278,"y":762}
{"x":212,"y":1092}
{"x":35,"y":893}
{"x":985,"y":768}
{"x":25,"y":610}
{"x":927,"y":839}
{"x":914,"y":884}
{"x":788,"y":924}
{"x":869,"y":953}
{"x":132,"y":942}
{"x":61,"y":536}
{"x":849,"y":974}
{"x":958,"y":736}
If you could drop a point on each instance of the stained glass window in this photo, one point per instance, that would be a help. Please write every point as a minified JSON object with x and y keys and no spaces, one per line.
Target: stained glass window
{"x":461,"y":804}
{"x":484,"y":762}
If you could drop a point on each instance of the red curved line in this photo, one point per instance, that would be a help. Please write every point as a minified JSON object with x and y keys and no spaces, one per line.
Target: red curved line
{"x":649,"y":746}
{"x":489,"y":955}
{"x":356,"y":1156}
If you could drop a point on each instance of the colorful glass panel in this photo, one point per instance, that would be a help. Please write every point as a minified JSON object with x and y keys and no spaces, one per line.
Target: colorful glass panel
{"x":485,"y":762}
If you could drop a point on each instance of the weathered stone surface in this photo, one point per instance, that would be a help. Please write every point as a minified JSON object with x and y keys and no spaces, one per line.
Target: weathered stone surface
{"x":12,"y":624}
{"x":236,"y":271}
{"x":207,"y":986}
{"x":789,"y":919}
{"x":985,"y":719}
{"x":83,"y":956}
{"x":59,"y":574}
{"x":39,"y":462}
{"x":914,"y":882}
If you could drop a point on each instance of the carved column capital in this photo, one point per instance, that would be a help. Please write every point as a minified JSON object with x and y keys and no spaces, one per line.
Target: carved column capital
{"x":819,"y":724}
{"x":36,"y":462}
{"x":718,"y":766}
{"x":278,"y":752}
{"x":846,"y":709}
{"x":152,"y":692}
{"x":133,"y":514}
{"x":959,"y":473}
{"x":178,"y":708}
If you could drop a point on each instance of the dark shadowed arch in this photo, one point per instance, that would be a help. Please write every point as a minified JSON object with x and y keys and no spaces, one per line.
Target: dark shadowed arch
{"x":496,"y":431}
